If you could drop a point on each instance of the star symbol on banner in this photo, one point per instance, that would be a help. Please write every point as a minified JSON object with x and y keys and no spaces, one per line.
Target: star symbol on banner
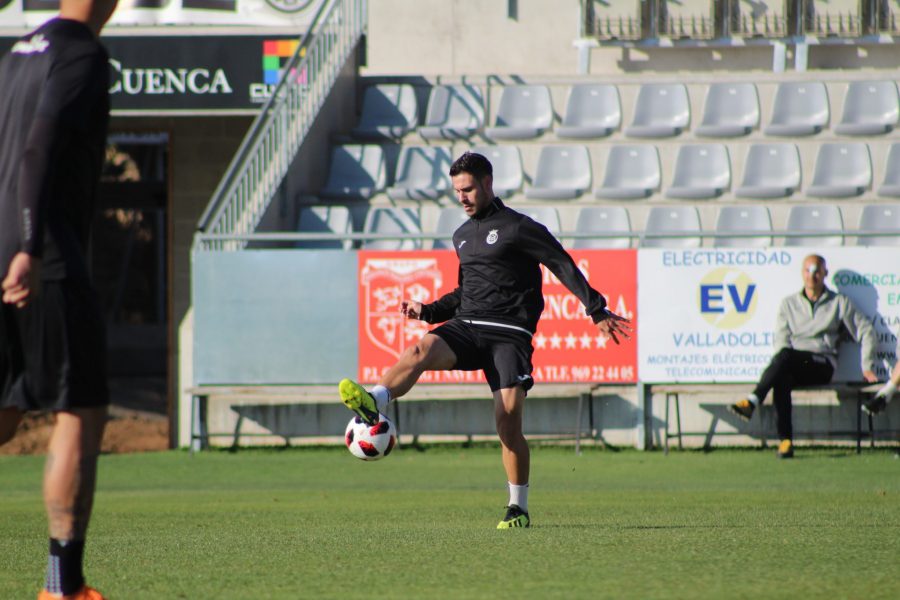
{"x":555,"y":341}
{"x":541,"y":340}
{"x":601,"y":341}
{"x":571,"y":340}
{"x":586,"y":340}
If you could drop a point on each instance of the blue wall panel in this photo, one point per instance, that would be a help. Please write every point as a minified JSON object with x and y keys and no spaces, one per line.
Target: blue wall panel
{"x":274,"y":316}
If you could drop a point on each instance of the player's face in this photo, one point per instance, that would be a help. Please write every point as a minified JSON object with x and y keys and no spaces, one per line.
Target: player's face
{"x":474,"y":195}
{"x":814,"y":273}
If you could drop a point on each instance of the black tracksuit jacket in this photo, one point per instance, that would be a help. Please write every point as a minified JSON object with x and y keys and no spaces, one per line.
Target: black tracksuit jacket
{"x":500,"y":252}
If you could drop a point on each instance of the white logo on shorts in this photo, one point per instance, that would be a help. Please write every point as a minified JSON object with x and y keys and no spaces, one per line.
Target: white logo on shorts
{"x":492,"y":237}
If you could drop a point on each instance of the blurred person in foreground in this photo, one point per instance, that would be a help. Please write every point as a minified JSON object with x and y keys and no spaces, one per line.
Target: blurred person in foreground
{"x":54,"y":115}
{"x":489,"y":319}
{"x":808,"y":331}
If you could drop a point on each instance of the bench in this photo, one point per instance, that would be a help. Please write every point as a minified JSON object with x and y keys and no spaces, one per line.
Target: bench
{"x":327,"y":394}
{"x":857,"y":390}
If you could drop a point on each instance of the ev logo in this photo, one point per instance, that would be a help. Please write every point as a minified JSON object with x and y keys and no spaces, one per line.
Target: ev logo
{"x":727,"y":298}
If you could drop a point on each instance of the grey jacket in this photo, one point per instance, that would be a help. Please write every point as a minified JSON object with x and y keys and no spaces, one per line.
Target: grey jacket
{"x":820,"y":327}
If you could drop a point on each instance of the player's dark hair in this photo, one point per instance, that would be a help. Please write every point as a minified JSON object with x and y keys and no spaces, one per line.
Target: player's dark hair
{"x":474,"y":164}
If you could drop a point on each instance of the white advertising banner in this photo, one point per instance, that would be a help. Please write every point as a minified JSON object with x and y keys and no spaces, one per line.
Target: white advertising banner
{"x":27,"y":14}
{"x":708,"y":314}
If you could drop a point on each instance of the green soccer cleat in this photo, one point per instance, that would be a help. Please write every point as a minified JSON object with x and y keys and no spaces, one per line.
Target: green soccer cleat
{"x":357,"y":399}
{"x":515,"y":517}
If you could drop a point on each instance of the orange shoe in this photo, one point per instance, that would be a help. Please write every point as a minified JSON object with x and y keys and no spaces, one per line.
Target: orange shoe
{"x":85,"y":593}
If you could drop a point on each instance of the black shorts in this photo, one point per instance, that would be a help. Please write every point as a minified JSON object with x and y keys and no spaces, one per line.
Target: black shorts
{"x":53,"y":351}
{"x":503,"y":354}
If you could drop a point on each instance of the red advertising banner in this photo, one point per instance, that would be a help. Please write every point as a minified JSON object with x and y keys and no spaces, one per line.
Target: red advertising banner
{"x":568,"y":346}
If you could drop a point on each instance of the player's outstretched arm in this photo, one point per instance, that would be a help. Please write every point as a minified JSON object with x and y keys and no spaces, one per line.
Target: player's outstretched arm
{"x":613,"y":326}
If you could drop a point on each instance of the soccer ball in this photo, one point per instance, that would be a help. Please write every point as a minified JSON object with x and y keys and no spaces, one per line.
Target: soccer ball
{"x":370,"y":442}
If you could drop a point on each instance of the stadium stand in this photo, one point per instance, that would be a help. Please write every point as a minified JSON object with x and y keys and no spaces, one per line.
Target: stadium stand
{"x":545,"y":215}
{"x":800,"y":108}
{"x":421,"y":173}
{"x":701,"y":171}
{"x":592,"y":111}
{"x":392,"y":220}
{"x":324,"y":219}
{"x":526,"y":111}
{"x":730,"y":110}
{"x":631,"y":172}
{"x":815,"y":219}
{"x":890,"y":187}
{"x":357,"y":171}
{"x":672,"y":219}
{"x":870,"y":108}
{"x":734,"y":220}
{"x":616,"y":19}
{"x":454,"y":112}
{"x":842,"y":170}
{"x":389,"y":111}
{"x":770,"y":171}
{"x":760,"y":18}
{"x":879,"y":217}
{"x":693,"y":19}
{"x":840,"y":18}
{"x":449,"y":219}
{"x":605,"y":221}
{"x":661,"y":110}
{"x":563,"y":173}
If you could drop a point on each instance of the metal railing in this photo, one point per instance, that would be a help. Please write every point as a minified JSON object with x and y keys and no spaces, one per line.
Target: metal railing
{"x":267,"y":151}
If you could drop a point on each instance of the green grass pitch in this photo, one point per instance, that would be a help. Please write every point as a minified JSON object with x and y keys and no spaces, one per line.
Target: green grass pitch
{"x":317,"y":523}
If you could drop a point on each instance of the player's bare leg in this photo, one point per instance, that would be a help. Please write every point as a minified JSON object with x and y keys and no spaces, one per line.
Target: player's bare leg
{"x":431,"y":353}
{"x":9,"y":422}
{"x":70,"y":472}
{"x":508,"y":407}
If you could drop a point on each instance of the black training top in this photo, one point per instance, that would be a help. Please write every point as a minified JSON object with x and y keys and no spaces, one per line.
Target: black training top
{"x":54,"y":114}
{"x":500,"y":252}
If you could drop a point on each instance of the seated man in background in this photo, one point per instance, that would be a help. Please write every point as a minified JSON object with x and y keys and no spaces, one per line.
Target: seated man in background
{"x":809,"y":329}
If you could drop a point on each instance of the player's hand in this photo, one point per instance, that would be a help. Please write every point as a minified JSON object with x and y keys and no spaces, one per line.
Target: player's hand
{"x":411,"y":309}
{"x":870,"y":376}
{"x":23,"y":280}
{"x":887,"y":391}
{"x":614,"y":325}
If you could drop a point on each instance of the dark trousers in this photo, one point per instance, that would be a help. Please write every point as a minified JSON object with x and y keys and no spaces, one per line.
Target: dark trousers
{"x":789,"y":369}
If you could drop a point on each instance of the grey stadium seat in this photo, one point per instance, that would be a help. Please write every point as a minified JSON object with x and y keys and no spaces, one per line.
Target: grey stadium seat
{"x":324,"y":219}
{"x":770,"y":171}
{"x":701,"y":171}
{"x":631,"y":172}
{"x":526,"y":111}
{"x":389,"y":111}
{"x":391,"y":219}
{"x":733,"y":220}
{"x":672,"y":219}
{"x":661,"y":110}
{"x":547,"y":216}
{"x":454,"y":112}
{"x":811,"y":219}
{"x":800,"y":108}
{"x":449,"y":220}
{"x":842,"y":170}
{"x":422,"y":173}
{"x":604,"y":220}
{"x":507,"y":164}
{"x":730,"y":110}
{"x":562,"y":173}
{"x":870,"y":108}
{"x":880,"y":217}
{"x":592,"y":111}
{"x":356,"y":171}
{"x":890,"y":187}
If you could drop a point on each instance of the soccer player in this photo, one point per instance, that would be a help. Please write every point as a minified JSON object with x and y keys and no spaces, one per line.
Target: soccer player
{"x":489,"y":319}
{"x":808,"y":331}
{"x":54,"y":113}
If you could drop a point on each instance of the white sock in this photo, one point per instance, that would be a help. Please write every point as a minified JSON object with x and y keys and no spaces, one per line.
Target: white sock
{"x":382,"y":397}
{"x":518,"y":495}
{"x":753,"y":400}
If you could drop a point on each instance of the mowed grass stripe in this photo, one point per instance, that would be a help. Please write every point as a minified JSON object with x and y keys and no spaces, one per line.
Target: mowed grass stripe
{"x":316,"y":523}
